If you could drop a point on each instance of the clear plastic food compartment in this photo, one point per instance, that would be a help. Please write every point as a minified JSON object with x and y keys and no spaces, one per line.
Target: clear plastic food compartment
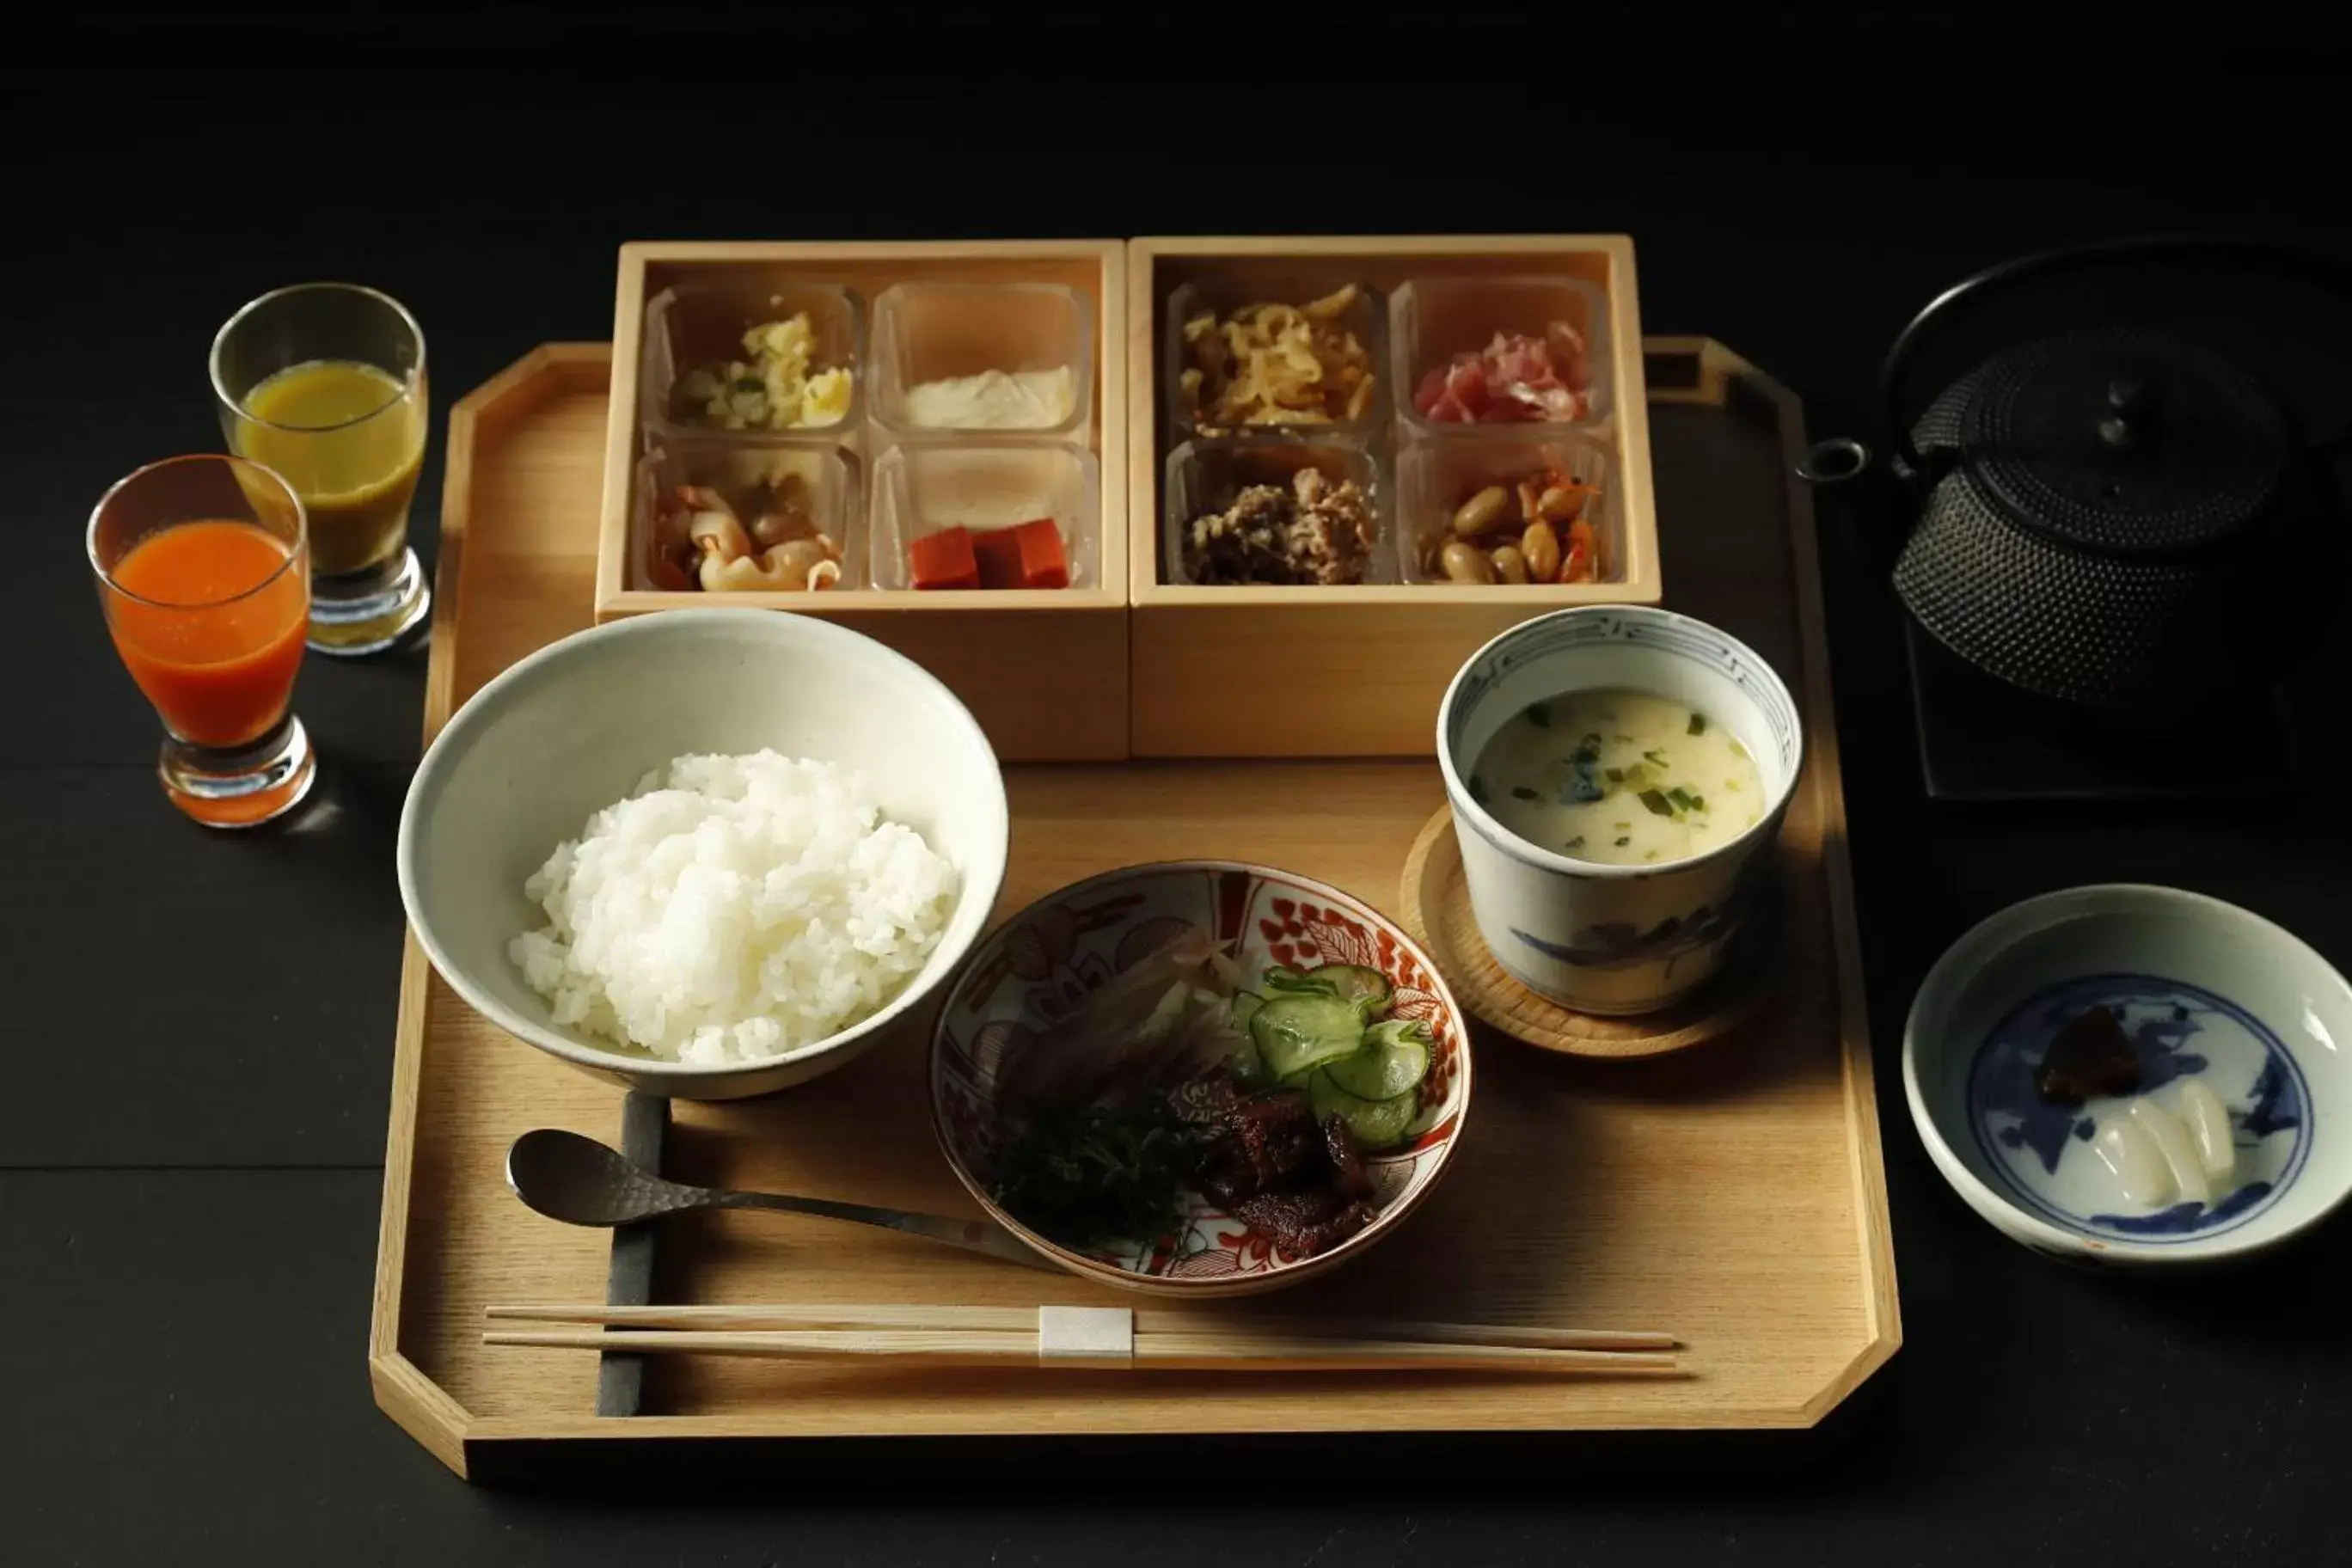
{"x":1557,"y":480}
{"x":694,"y":339}
{"x":1003,"y":358}
{"x":794,"y":505}
{"x":990,"y":488}
{"x":1205,"y":476}
{"x":1477,"y":353}
{"x":1323,"y":316}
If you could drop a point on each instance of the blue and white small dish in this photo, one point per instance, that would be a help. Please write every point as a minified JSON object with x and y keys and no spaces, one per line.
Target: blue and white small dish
{"x":1603,"y":938}
{"x":2201,"y":989}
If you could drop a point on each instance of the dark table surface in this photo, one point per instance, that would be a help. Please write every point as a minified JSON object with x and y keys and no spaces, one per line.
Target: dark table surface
{"x":192,"y":1135}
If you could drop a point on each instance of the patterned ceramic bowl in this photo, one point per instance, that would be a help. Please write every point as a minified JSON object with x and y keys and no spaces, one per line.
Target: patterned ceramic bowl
{"x":2200,"y":988}
{"x":1615,"y":940}
{"x":1034,"y":969}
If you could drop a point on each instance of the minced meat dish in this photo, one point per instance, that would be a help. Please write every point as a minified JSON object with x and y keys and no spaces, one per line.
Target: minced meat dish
{"x":1314,"y":532}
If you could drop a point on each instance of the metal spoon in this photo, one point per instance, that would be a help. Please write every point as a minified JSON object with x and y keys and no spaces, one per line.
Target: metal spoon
{"x":581,"y":1182}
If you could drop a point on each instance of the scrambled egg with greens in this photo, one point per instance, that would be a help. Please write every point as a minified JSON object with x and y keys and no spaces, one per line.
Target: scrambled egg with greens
{"x":774,"y":390}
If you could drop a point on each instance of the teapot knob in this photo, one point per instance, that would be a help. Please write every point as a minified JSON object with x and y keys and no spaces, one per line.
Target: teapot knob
{"x":2130,"y":402}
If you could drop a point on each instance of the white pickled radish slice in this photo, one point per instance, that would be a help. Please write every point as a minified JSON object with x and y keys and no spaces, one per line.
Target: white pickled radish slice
{"x":2208,"y":1121}
{"x":2137,"y":1163}
{"x":2179,"y":1150}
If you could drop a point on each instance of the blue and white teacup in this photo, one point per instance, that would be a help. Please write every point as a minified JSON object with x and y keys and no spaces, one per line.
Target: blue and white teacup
{"x":1615,"y":939}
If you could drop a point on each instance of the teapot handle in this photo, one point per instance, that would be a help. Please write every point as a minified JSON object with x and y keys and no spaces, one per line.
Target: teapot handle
{"x":2250,"y":254}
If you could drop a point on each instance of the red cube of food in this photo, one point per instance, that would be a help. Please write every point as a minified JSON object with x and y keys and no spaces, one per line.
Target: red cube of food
{"x":1044,"y":563}
{"x":944,"y":560}
{"x":1000,"y":558}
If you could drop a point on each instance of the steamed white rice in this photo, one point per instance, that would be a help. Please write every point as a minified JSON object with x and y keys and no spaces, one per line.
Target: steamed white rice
{"x":732,"y":909}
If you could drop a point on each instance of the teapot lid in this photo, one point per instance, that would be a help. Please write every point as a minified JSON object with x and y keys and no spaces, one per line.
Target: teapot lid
{"x":2123,"y":440}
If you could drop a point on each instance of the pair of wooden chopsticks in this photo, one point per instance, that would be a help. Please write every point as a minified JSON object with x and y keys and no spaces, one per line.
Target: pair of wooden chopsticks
{"x":1085,"y":1336}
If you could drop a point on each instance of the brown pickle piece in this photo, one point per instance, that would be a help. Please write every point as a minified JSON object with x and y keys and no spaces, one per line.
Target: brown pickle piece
{"x":2089,"y":1054}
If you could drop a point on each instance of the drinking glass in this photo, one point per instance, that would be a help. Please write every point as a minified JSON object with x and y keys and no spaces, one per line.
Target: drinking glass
{"x":325,"y":384}
{"x":205,"y":578}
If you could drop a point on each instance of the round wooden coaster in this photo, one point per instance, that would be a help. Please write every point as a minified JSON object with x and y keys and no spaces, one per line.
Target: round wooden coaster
{"x":1434,"y":904}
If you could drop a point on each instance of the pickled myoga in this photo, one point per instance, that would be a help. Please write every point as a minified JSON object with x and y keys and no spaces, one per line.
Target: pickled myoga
{"x":2160,"y":1155}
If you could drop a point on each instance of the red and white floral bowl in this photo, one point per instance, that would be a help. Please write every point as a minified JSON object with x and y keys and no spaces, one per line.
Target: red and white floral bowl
{"x":1038,"y":965}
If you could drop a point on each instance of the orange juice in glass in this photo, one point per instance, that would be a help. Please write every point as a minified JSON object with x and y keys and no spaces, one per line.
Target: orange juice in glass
{"x":203,"y":573}
{"x":325,"y":382}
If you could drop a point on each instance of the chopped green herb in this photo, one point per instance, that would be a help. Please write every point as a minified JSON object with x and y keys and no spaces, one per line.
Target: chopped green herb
{"x":1094,"y":1174}
{"x":1698,"y":724}
{"x":1683,"y":800}
{"x":1575,"y":843}
{"x":1620,"y":827}
{"x":1651,"y":856}
{"x":1656,"y":758}
{"x":1658,"y":804}
{"x":1521,"y":792}
{"x":1622,"y":842}
{"x":1616,"y":775}
{"x":1621,"y":736}
{"x":1539,"y":715}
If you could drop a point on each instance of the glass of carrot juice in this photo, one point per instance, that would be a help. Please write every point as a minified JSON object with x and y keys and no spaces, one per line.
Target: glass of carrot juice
{"x":203,"y":572}
{"x":325,"y":384}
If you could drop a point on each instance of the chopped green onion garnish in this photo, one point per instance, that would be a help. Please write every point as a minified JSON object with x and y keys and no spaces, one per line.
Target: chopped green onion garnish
{"x":1622,"y":842}
{"x":1658,"y":804}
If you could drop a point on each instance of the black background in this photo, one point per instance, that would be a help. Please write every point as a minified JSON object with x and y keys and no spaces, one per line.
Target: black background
{"x":197,"y":1044}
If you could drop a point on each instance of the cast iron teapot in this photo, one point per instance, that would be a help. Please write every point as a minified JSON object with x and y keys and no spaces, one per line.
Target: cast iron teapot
{"x":2095,"y":512}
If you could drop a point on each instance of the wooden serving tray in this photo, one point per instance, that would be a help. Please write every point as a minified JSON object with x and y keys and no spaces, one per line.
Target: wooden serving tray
{"x":1732,"y":1194}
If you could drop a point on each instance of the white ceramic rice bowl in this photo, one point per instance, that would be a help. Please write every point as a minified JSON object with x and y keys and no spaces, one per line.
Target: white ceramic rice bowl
{"x":573,"y":726}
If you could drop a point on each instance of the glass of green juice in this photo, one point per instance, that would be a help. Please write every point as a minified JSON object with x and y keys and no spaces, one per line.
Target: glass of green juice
{"x":324,"y":384}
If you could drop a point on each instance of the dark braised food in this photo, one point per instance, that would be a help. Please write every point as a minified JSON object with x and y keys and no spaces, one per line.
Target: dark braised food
{"x":1099,"y":1173}
{"x":1313,"y":532}
{"x":1169,"y":1081}
{"x":2090,"y":1055}
{"x":1299,"y":1183}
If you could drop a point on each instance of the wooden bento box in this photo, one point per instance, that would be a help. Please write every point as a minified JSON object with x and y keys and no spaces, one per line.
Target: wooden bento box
{"x":1357,"y":670}
{"x":1044,"y":670}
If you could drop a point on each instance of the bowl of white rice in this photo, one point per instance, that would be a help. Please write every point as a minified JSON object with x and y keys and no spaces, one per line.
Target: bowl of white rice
{"x":704,"y":853}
